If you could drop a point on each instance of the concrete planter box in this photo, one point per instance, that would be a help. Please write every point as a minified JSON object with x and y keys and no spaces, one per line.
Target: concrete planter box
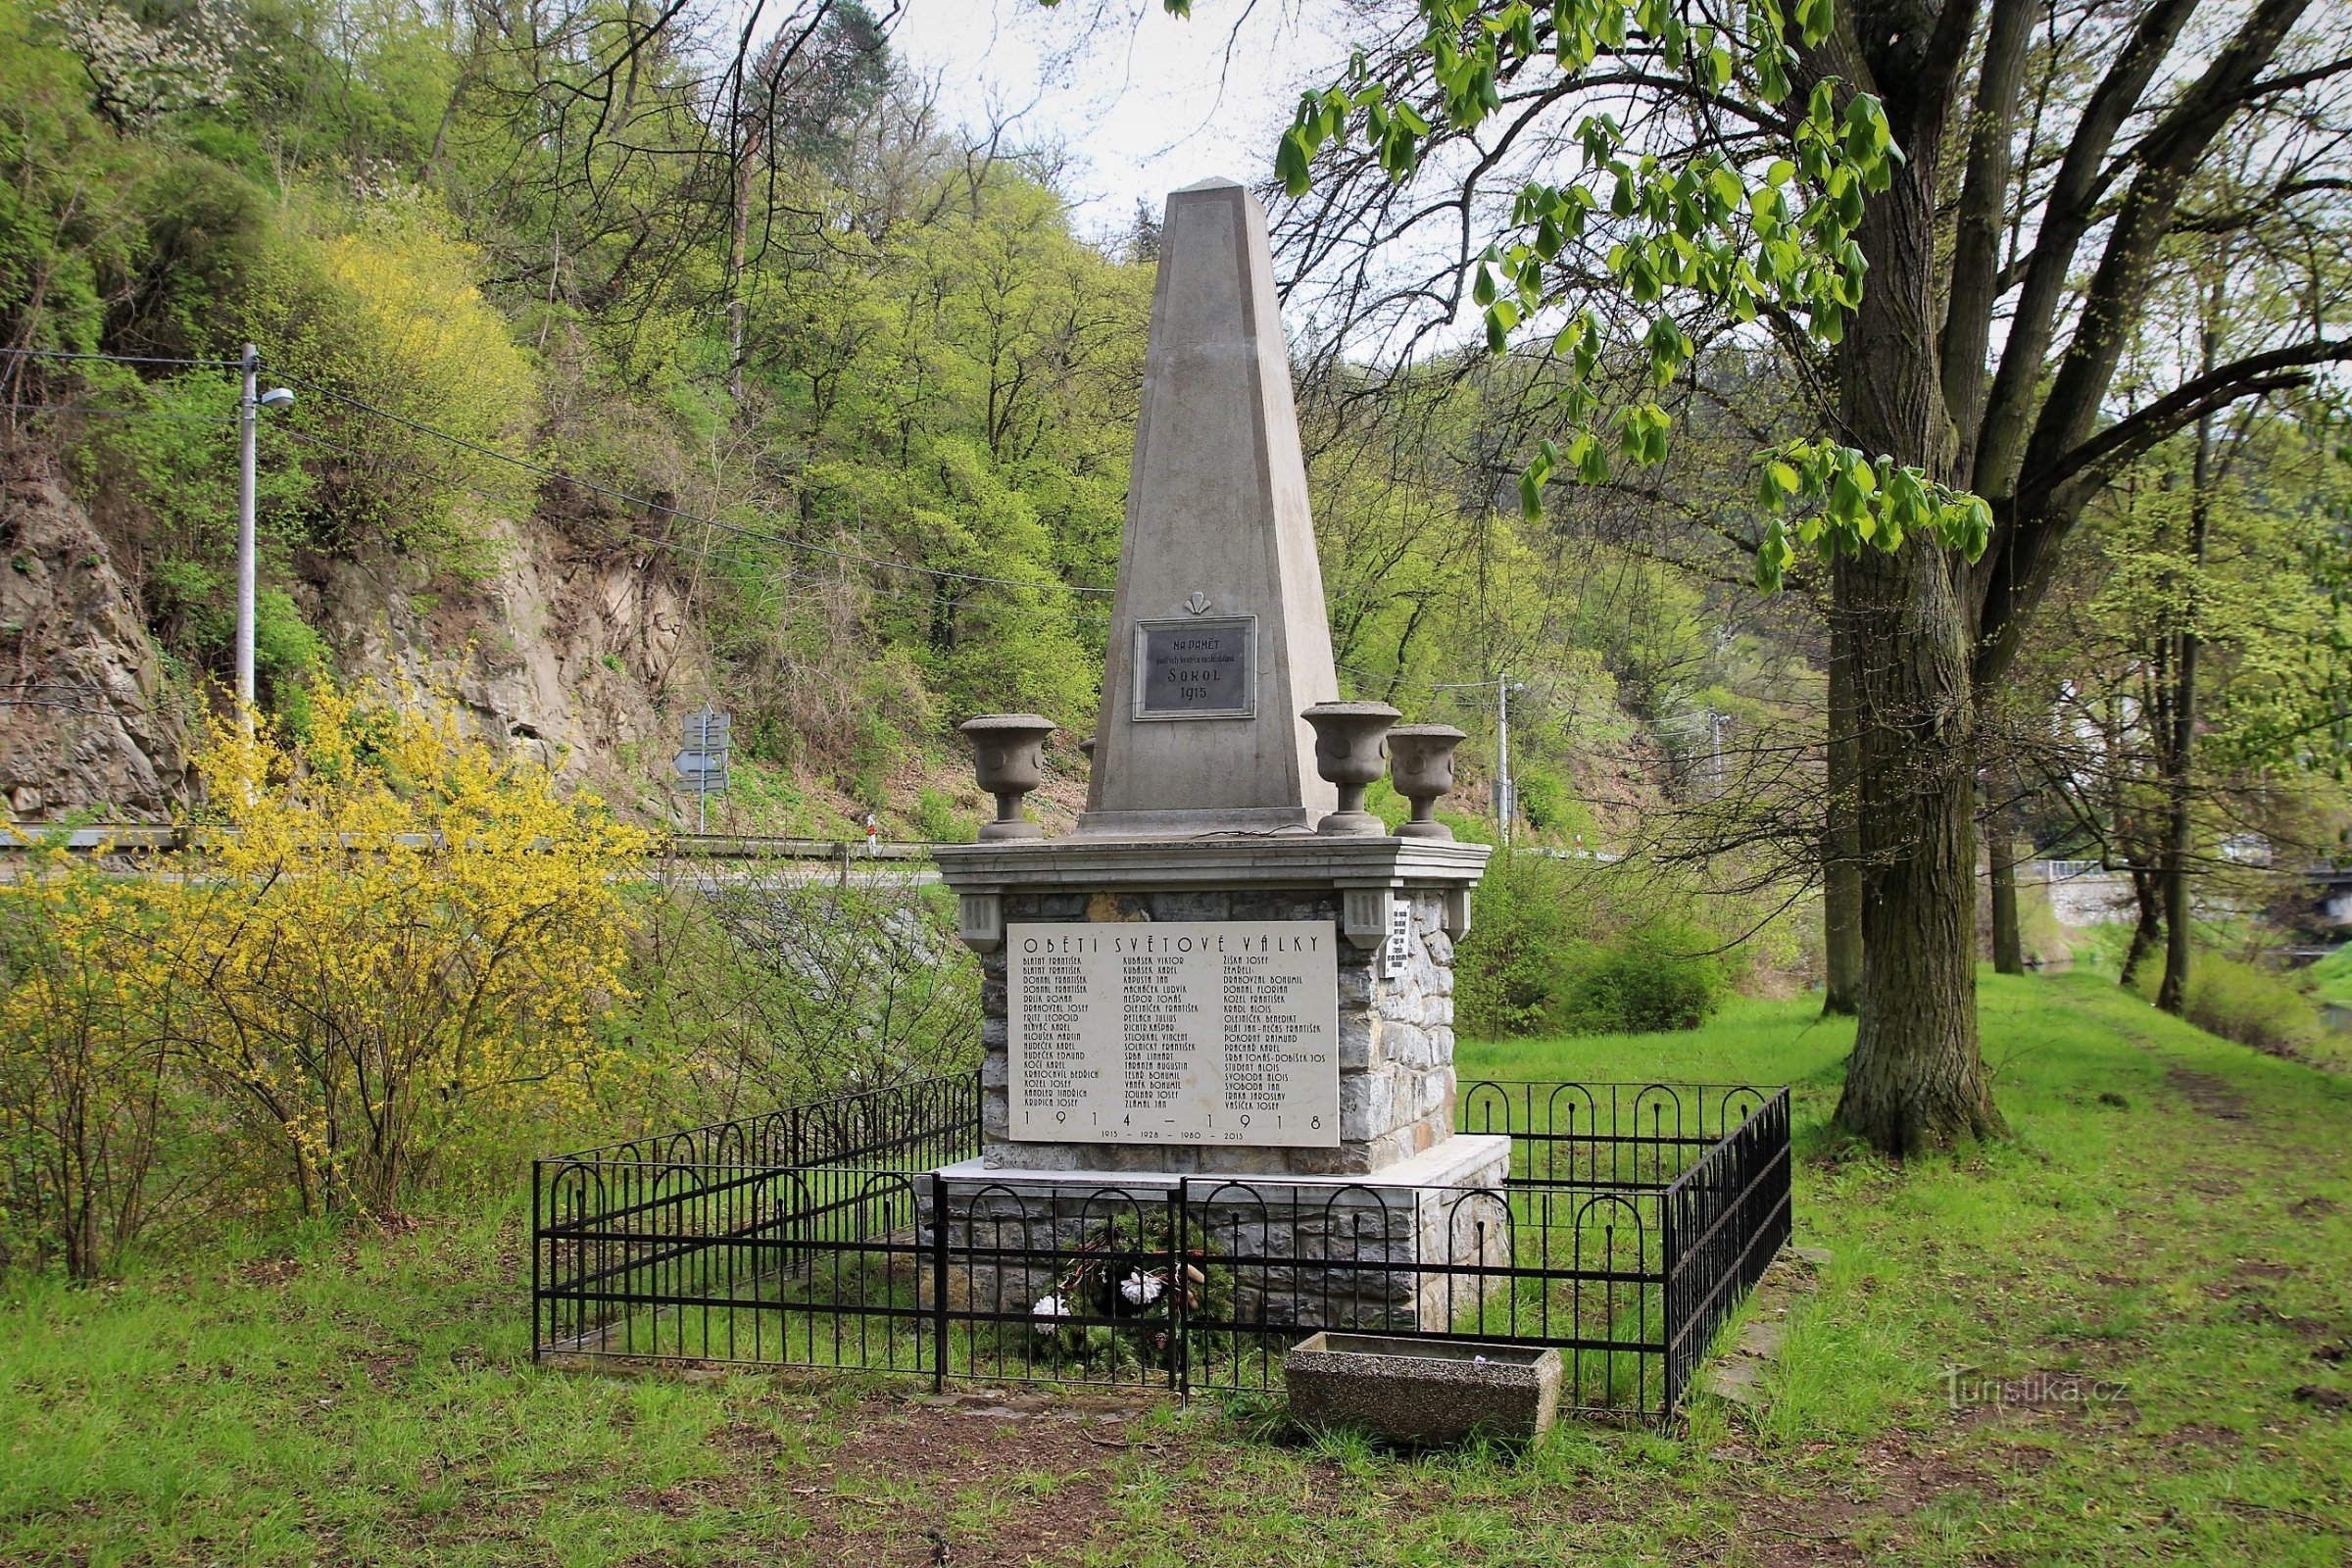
{"x":1411,"y":1390}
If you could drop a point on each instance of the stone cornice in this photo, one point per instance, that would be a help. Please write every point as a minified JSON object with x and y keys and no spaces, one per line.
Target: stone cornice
{"x":1224,"y":862}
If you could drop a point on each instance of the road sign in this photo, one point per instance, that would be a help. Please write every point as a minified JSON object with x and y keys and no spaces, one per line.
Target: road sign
{"x":703,"y":764}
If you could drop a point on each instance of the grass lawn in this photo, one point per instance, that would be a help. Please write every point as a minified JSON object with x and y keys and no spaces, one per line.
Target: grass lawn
{"x":2173,"y":1216}
{"x":2331,"y":976}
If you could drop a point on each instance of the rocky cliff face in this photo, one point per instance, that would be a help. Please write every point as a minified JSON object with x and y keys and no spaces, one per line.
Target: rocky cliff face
{"x":88,"y":719}
{"x":571,"y":650}
{"x":573,"y":653}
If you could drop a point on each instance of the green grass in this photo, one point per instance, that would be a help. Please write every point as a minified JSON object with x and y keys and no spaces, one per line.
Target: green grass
{"x":2331,"y":976}
{"x":2172,"y":1216}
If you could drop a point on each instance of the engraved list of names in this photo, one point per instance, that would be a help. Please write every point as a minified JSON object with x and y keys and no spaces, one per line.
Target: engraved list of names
{"x":1175,"y":1032}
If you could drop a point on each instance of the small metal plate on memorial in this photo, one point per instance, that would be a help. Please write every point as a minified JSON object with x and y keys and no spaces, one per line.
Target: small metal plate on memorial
{"x":1175,"y":1032}
{"x":1202,"y":668}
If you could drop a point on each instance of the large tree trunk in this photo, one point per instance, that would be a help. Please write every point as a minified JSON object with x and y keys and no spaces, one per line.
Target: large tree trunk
{"x":1841,"y":837}
{"x":1916,"y":1081}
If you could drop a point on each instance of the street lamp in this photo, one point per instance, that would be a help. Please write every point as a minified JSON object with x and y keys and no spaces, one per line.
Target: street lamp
{"x":249,"y":406}
{"x":1505,"y":808}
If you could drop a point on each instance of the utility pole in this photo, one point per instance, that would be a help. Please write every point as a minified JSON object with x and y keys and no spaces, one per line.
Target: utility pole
{"x":250,"y":403}
{"x":248,"y":413}
{"x":1502,"y":756}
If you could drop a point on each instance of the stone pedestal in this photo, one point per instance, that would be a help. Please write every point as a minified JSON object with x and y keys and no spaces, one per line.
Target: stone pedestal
{"x":1396,"y":905}
{"x":1287,"y":1252}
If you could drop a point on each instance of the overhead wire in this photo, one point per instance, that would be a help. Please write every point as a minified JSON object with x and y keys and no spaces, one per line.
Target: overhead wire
{"x":118,"y":413}
{"x":510,"y":498}
{"x":541,"y":471}
{"x":118,"y":359}
{"x":788,"y":541}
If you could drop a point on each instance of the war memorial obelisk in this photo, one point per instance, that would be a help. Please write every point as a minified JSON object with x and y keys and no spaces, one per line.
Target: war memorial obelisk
{"x":1220,"y":971}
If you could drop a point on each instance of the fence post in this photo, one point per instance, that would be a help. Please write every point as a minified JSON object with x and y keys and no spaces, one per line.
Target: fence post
{"x":939,"y":1283}
{"x":1671,"y":1331}
{"x":538,"y":1240}
{"x":1180,"y":1348}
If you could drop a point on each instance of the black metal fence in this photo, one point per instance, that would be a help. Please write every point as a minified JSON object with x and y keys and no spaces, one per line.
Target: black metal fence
{"x":1631,"y":1222}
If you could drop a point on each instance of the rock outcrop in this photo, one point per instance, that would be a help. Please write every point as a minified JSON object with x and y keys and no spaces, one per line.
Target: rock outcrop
{"x":578,"y":652}
{"x":88,"y":719}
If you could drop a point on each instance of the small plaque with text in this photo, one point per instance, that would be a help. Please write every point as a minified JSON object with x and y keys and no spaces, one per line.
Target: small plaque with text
{"x":1205,"y":669}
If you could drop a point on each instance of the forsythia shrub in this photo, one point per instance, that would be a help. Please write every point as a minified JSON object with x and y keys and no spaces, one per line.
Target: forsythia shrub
{"x":391,"y":314}
{"x":404,"y":941}
{"x":101,"y":1132}
{"x":392,"y":959}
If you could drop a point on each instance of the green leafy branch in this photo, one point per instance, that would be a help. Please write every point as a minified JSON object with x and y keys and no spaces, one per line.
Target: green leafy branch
{"x":1767,"y":234}
{"x":1850,"y":500}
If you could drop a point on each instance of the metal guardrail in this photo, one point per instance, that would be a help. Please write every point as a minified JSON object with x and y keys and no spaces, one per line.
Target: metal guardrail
{"x":133,"y":838}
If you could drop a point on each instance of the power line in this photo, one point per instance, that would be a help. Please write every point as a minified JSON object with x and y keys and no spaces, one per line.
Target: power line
{"x":119,"y":414}
{"x":560,"y":476}
{"x":966,"y":605}
{"x":540,"y":470}
{"x":118,"y":359}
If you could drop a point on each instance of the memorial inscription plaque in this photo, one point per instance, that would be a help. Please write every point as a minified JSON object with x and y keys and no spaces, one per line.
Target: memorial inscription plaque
{"x":1175,"y":1032}
{"x":1203,"y":668}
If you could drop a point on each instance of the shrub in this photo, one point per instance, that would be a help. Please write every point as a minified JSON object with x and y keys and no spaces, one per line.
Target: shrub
{"x":1657,"y":977}
{"x":1566,"y":946}
{"x":100,"y":1132}
{"x":746,"y":999}
{"x":2242,"y":1002}
{"x":403,"y":945}
{"x":941,"y":819}
{"x":1509,"y":971}
{"x":390,"y":315}
{"x":1550,"y":805}
{"x":389,"y":966}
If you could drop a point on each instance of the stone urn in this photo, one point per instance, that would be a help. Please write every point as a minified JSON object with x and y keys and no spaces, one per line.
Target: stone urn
{"x":1421,"y":767}
{"x":1350,"y":745}
{"x":1008,"y":757}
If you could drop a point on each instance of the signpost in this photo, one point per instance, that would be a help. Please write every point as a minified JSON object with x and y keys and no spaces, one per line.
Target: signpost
{"x":702,"y":764}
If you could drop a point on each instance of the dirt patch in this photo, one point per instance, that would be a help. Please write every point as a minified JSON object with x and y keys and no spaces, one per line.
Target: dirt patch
{"x":2203,"y":1440}
{"x":2312,"y":1208}
{"x":1910,"y":1478}
{"x":1897,"y":1479}
{"x":973,"y":1482}
{"x":270,"y":1271}
{"x":2309,"y":1328}
{"x":2208,"y":1094}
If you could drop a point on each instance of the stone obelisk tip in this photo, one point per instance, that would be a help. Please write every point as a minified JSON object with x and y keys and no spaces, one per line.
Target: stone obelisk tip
{"x":1218,"y":639}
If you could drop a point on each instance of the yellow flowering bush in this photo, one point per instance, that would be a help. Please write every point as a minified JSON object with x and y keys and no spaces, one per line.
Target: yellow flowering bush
{"x":98,"y":1134}
{"x":403,"y":939}
{"x":383,"y":950}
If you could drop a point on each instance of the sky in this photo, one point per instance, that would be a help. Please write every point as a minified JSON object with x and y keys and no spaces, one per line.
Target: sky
{"x":1141,"y":102}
